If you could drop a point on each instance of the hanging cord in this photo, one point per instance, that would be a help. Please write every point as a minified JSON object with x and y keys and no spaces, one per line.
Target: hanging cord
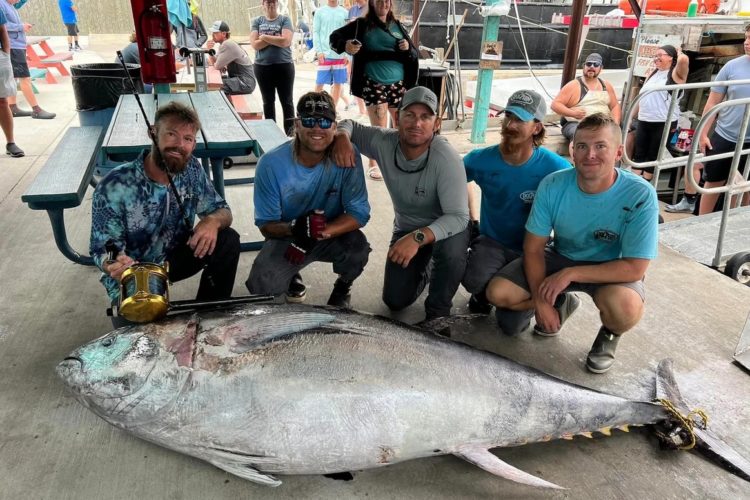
{"x":526,"y":52}
{"x":685,"y":423}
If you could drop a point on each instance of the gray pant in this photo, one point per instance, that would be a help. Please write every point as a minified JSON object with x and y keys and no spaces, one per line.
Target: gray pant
{"x":271,"y":272}
{"x":487,"y":258}
{"x":569,"y":130}
{"x":440,"y":264}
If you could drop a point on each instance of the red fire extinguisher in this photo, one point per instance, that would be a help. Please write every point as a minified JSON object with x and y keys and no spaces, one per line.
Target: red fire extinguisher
{"x":153,"y":34}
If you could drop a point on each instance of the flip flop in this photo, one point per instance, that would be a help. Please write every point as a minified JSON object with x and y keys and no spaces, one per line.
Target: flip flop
{"x":374,"y":174}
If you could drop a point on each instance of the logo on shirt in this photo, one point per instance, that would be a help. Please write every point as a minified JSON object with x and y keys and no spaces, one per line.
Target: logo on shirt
{"x":606,"y":235}
{"x":527,"y":197}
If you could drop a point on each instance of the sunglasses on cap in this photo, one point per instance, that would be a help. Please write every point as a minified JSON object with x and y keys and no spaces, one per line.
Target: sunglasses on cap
{"x":593,"y":64}
{"x":309,"y":122}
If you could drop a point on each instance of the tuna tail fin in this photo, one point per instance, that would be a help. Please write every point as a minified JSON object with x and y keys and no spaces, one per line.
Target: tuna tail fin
{"x":707,"y":443}
{"x":483,"y":459}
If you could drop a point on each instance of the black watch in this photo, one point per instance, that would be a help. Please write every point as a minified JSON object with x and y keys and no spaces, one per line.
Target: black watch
{"x":418,"y":236}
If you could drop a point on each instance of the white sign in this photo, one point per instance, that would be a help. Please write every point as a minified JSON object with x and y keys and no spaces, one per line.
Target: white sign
{"x":644,"y":61}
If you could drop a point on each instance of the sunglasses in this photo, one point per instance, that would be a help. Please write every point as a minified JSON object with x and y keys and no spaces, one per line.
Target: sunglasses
{"x":593,"y":64}
{"x":323,"y":123}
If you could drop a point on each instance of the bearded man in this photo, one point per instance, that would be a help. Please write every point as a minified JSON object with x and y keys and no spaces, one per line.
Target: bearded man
{"x":145,"y":211}
{"x":508,"y":175}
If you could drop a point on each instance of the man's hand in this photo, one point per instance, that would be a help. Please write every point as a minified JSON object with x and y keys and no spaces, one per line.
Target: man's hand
{"x":343,"y":151}
{"x":321,"y":58}
{"x":578,"y":114}
{"x":27,"y":27}
{"x":403,"y":250}
{"x":210,"y":44}
{"x":704,"y":144}
{"x":116,"y":267}
{"x":303,"y":240}
{"x":553,"y":285}
{"x":203,"y":241}
{"x":546,"y":317}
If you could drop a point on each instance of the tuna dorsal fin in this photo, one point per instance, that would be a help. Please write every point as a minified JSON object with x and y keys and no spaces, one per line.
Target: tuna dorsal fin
{"x":255,"y":331}
{"x":483,"y":459}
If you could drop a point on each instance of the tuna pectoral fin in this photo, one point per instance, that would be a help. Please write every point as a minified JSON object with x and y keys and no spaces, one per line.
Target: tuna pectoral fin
{"x":246,"y":472}
{"x":482,"y":458}
{"x":249,"y":335}
{"x":240,"y":464}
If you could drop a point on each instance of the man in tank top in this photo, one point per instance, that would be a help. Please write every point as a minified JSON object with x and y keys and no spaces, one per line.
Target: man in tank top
{"x":586,"y":95}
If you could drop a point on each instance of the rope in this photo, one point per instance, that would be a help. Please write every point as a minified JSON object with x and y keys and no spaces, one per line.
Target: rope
{"x":687,"y":422}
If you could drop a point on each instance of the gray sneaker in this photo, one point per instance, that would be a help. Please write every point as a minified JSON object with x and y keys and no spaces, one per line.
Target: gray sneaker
{"x":602,"y":354}
{"x":565,"y":305}
{"x":684,"y":206}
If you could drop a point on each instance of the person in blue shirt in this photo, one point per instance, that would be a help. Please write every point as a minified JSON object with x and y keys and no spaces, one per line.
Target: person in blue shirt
{"x":508,"y":175}
{"x":69,"y":14}
{"x":7,"y":89}
{"x":604,"y":227}
{"x":146,"y":209}
{"x":309,"y":209}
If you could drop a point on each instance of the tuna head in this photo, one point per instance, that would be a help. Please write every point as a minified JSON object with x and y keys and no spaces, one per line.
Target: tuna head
{"x":129,"y":374}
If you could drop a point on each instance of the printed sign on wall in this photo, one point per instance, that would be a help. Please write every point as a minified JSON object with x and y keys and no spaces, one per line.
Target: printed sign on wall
{"x":492,"y":54}
{"x":644,"y":61}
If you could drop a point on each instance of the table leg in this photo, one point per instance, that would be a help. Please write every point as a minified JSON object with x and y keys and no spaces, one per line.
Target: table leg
{"x":217,"y":169}
{"x":57,"y":219}
{"x":48,"y":52}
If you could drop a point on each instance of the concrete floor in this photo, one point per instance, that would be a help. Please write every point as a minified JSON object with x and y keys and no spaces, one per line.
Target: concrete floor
{"x":53,"y":448}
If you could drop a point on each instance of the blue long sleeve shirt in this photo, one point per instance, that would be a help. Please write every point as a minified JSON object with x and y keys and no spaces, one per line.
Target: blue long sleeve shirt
{"x":14,"y":26}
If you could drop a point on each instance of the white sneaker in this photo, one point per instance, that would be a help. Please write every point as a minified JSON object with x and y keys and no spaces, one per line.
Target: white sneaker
{"x":684,"y":206}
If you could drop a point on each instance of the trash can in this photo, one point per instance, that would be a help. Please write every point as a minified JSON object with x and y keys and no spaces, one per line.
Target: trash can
{"x":97,"y":87}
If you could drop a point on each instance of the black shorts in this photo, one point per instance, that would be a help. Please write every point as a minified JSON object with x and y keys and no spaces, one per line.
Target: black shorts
{"x":718,"y":171}
{"x":72,"y":29}
{"x":647,"y":141}
{"x":374,"y":93}
{"x":18,"y":61}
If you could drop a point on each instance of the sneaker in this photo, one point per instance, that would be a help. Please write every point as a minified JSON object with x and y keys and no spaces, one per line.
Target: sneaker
{"x":602,"y":354}
{"x":78,"y":48}
{"x":20,"y":113}
{"x":42,"y":115}
{"x":478,"y":304}
{"x":297,"y":290}
{"x":565,"y":305}
{"x":684,"y":206}
{"x":341,"y":294}
{"x":13,"y":150}
{"x":70,"y":48}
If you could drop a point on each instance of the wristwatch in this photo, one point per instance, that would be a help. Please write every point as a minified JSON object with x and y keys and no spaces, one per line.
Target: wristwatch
{"x":418,"y":236}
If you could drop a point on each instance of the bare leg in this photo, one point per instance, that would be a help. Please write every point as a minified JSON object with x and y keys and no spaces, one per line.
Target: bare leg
{"x":708,"y":201}
{"x":28,"y":92}
{"x":335,"y":94}
{"x":473,"y":201}
{"x":378,"y":118}
{"x":6,"y":120}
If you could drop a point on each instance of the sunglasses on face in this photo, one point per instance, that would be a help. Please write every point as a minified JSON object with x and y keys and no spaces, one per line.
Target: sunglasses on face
{"x":323,"y":123}
{"x":592,"y":64}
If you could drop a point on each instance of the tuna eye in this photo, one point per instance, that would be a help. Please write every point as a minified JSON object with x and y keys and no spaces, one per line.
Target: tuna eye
{"x":107,"y":342}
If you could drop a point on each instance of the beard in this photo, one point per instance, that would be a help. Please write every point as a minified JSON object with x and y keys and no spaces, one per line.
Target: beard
{"x":174,"y":165}
{"x":509,"y":144}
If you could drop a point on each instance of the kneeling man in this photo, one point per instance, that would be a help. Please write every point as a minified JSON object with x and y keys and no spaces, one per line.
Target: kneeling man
{"x":605,"y":235}
{"x":308,"y":208}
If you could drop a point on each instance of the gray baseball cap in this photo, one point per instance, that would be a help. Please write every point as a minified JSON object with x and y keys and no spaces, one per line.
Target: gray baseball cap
{"x":594,"y":58}
{"x":420,"y":95}
{"x":527,"y":105}
{"x":219,"y":27}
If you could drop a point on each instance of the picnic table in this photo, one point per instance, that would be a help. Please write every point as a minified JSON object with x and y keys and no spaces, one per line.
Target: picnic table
{"x":47,"y":59}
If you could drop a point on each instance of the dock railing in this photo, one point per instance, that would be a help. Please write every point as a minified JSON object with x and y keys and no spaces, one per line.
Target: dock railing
{"x":736,"y":185}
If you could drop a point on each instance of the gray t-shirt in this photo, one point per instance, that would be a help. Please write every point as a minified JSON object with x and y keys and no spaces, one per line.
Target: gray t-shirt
{"x":729,"y":119}
{"x":435,"y":197}
{"x":234,"y":59}
{"x":272,"y":54}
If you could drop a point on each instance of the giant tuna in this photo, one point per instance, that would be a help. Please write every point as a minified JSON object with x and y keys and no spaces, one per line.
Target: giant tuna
{"x":274,"y":389}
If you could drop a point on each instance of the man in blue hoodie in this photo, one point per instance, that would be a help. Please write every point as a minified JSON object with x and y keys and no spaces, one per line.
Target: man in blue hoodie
{"x":17,"y":32}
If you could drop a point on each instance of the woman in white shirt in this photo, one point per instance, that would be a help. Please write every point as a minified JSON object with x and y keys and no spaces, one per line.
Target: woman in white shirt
{"x":671,"y":68}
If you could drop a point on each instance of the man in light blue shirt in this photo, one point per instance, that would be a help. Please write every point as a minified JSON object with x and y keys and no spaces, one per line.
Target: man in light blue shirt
{"x":331,"y":66}
{"x":605,"y":226}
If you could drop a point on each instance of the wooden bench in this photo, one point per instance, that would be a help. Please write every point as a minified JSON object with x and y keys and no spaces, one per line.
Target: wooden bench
{"x":63,"y":180}
{"x":267,"y":135}
{"x":248,"y":106}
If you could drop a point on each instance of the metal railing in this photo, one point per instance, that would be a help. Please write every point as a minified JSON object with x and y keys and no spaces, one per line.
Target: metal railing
{"x":733,"y":186}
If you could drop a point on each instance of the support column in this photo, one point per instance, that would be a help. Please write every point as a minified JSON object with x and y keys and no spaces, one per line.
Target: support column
{"x":484,"y":80}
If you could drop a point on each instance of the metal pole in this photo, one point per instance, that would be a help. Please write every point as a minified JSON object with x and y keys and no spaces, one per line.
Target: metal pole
{"x":484,"y":80}
{"x":574,"y":41}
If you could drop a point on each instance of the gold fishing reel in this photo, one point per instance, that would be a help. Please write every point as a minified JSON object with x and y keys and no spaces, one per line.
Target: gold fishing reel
{"x":144,"y":292}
